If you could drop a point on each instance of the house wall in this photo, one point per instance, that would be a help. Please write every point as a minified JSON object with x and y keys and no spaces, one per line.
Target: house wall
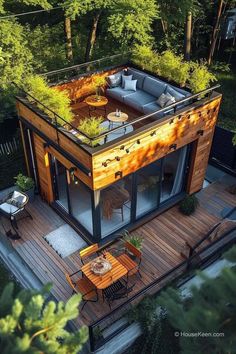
{"x":144,"y":148}
{"x":195,"y":125}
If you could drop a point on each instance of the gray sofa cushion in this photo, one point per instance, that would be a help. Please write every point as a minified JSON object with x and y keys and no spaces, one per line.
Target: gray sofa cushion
{"x":152,"y":107}
{"x":124,"y":78}
{"x":118,"y":93}
{"x":139,"y":76}
{"x":154,"y":86}
{"x":114,"y":80}
{"x":138,"y":99}
{"x":173,"y":92}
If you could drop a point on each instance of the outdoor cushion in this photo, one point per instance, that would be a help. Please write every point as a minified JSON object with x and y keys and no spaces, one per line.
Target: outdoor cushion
{"x":138,"y":99}
{"x":8,"y":208}
{"x":137,"y":75}
{"x":152,"y":107}
{"x":165,"y":99}
{"x":124,"y":78}
{"x":118,"y":93}
{"x":154,"y":87}
{"x":115,"y":79}
{"x":177,"y":95}
{"x":130,"y":85}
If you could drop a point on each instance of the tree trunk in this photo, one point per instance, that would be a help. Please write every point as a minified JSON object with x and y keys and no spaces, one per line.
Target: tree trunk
{"x":188,"y":36}
{"x":164,"y":25}
{"x":215,"y":32}
{"x":69,"y":49}
{"x":92,"y":36}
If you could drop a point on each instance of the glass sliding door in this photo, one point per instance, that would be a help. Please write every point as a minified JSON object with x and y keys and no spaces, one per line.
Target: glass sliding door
{"x":80,"y":203}
{"x":115,"y":205}
{"x":60,"y":179}
{"x":148,"y":188}
{"x":72,"y":195}
{"x":173,"y":173}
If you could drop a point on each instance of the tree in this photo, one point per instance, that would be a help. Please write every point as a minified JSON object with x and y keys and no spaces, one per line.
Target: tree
{"x":130,"y":21}
{"x":210,"y":309}
{"x":95,"y":8}
{"x":31,"y":325}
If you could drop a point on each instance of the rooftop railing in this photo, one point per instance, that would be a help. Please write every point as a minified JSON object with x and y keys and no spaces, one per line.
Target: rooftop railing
{"x":81,"y":136}
{"x":113,"y":323}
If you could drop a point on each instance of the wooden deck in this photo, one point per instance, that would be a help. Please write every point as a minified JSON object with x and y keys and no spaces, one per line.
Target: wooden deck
{"x":164,"y":237}
{"x":81,"y":111}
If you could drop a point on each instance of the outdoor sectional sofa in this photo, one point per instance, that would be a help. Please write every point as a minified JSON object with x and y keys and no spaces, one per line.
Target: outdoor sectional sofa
{"x":148,"y":90}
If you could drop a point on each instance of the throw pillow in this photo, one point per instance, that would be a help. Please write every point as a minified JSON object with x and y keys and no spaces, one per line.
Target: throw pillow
{"x":125,"y":78}
{"x":13,"y":202}
{"x":114,"y":80}
{"x":130,"y":85}
{"x":165,"y":100}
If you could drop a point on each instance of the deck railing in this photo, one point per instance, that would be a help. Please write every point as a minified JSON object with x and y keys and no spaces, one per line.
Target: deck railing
{"x":172,"y":109}
{"x":116,"y":321}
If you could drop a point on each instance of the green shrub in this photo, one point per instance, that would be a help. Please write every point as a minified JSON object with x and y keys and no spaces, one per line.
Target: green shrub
{"x":145,"y":57}
{"x":23,"y":182}
{"x":188,"y":205}
{"x":173,"y":67}
{"x":200,"y":78}
{"x":92,"y":127}
{"x":57,"y":101}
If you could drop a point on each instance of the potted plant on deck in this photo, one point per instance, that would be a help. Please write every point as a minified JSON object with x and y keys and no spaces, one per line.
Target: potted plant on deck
{"x":92,"y":127}
{"x":26,"y":185}
{"x":135,"y":240}
{"x":99,"y":83}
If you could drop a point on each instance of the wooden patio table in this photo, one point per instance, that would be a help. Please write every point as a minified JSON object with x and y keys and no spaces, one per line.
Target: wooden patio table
{"x":102,"y":282}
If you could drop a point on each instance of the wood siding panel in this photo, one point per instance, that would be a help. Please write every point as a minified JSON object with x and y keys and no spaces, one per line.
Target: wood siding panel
{"x":65,"y":143}
{"x":82,"y":87}
{"x":181,"y":130}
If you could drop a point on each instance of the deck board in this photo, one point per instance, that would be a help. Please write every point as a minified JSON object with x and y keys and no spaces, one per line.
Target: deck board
{"x":164,"y":236}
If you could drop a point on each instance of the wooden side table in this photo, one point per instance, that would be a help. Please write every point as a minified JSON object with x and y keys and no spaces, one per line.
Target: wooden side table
{"x":95,"y":104}
{"x":113,"y":118}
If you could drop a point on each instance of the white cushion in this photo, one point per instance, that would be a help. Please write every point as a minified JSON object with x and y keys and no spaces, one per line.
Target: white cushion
{"x":8,"y":208}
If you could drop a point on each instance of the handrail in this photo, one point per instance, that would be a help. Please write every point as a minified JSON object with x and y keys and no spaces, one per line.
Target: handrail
{"x":79,"y":66}
{"x":173,"y":105}
{"x":137,"y":120}
{"x":156,"y":282}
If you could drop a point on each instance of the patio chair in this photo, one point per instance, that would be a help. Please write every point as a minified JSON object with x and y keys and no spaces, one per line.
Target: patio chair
{"x":13,"y":205}
{"x":84,"y":287}
{"x":88,"y":251}
{"x":116,"y":291}
{"x":132,"y":265}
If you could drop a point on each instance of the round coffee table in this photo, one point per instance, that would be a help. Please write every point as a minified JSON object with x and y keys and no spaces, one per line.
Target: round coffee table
{"x":113,"y":118}
{"x":94,"y":103}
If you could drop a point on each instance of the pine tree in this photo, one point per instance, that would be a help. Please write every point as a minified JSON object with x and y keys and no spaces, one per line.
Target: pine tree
{"x":210,"y":309}
{"x":29,"y":324}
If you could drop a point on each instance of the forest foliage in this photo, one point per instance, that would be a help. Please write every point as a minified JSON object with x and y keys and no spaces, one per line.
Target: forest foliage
{"x":80,"y":31}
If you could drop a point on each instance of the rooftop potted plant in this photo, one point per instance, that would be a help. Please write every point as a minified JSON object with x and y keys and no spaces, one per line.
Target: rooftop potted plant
{"x":99,"y":83}
{"x":92,"y":127}
{"x":26,"y":185}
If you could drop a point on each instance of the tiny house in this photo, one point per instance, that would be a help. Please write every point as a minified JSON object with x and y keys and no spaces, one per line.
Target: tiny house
{"x":145,"y":159}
